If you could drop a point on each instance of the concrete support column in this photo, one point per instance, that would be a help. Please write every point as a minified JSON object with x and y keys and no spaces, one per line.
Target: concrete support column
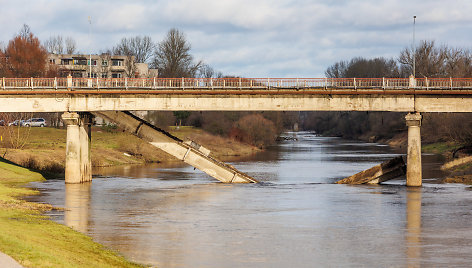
{"x":85,"y":147}
{"x":413,"y":170}
{"x":78,"y":161}
{"x":72,"y":173}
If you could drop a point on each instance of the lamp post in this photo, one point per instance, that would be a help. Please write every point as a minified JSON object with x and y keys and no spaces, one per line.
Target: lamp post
{"x":414,"y":47}
{"x":90,"y":49}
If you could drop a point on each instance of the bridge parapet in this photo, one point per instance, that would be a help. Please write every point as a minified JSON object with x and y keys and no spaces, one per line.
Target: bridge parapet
{"x":234,"y":83}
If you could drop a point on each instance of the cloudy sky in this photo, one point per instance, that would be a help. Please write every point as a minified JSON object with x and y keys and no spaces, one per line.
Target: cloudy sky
{"x":252,"y":38}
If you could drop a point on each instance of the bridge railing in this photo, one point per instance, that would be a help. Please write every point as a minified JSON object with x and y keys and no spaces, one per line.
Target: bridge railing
{"x":444,"y":83}
{"x":234,"y":83}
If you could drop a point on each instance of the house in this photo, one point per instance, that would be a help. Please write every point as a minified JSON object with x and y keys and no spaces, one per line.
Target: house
{"x":99,"y":66}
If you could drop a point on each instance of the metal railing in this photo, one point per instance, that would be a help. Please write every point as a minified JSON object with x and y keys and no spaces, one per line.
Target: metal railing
{"x":233,"y":83}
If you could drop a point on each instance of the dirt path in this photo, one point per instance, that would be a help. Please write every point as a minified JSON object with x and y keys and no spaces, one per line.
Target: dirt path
{"x":8,"y":262}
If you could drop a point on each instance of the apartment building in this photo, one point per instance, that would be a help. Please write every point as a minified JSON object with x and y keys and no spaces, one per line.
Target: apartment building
{"x":99,"y":66}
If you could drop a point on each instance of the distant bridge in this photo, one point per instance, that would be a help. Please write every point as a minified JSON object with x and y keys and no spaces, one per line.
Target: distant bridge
{"x":100,"y":96}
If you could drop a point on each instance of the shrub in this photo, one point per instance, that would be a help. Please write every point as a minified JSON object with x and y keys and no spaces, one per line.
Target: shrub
{"x":160,"y":119}
{"x":256,"y":130}
{"x":109,"y":127}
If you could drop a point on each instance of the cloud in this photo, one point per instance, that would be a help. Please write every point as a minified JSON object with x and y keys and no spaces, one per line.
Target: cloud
{"x":252,"y":38}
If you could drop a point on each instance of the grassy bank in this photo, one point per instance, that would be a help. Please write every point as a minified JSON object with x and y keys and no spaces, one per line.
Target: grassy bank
{"x":400,"y":142}
{"x":444,"y":148}
{"x":33,"y":240}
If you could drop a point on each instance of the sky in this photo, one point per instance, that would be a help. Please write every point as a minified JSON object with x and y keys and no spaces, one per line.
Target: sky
{"x":251,"y":38}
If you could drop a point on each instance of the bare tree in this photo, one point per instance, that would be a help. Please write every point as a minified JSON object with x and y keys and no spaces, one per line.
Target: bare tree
{"x":430,"y":60}
{"x":361,"y":67}
{"x":467,"y":64}
{"x":71,"y":45}
{"x":54,"y":44}
{"x":136,"y":49}
{"x":3,"y":62}
{"x":337,"y":70}
{"x":105,"y":64}
{"x":59,"y":45}
{"x":141,"y":47}
{"x":172,"y":56}
{"x":25,"y":32}
{"x":206,"y":71}
{"x":458,"y":62}
{"x":14,"y":136}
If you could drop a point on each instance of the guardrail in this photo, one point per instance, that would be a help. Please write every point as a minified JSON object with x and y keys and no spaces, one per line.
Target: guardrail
{"x":233,"y":83}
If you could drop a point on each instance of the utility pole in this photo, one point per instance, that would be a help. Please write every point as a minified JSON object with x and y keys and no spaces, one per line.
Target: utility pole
{"x":414,"y":47}
{"x":90,"y":48}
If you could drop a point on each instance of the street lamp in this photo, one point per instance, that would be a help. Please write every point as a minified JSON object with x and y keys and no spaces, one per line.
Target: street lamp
{"x":414,"y":47}
{"x":90,"y":48}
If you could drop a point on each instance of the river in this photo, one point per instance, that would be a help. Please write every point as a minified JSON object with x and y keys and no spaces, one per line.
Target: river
{"x":296,"y":217}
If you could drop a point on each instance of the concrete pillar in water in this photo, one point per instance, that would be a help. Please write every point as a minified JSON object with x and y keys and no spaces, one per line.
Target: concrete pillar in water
{"x":413,"y":170}
{"x":85,"y":146}
{"x":78,"y":161}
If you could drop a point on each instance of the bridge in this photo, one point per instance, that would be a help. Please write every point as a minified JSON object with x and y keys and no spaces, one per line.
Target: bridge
{"x":77,"y":97}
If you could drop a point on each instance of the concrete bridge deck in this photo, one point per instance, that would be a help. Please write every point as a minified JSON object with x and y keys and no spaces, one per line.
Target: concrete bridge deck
{"x":235,"y":94}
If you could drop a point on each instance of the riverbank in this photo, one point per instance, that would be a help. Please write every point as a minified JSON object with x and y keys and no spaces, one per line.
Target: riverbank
{"x":457,"y":164}
{"x":44,"y":148}
{"x":35,"y":241}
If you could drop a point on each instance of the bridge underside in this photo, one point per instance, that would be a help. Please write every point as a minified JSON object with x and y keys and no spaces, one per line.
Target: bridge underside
{"x":78,"y":160}
{"x":239,"y":102}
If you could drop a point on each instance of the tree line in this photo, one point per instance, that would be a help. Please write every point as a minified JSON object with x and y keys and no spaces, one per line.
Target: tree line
{"x":432,"y":61}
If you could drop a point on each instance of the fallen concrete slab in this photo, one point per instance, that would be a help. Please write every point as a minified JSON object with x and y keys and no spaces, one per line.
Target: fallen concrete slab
{"x":189,"y":152}
{"x":388,"y":170}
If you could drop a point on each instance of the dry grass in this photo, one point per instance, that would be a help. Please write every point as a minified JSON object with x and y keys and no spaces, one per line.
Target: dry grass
{"x":465,"y":179}
{"x":222,"y":148}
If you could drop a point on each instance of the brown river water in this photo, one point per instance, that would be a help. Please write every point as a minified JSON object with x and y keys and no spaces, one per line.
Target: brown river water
{"x":296,"y":217}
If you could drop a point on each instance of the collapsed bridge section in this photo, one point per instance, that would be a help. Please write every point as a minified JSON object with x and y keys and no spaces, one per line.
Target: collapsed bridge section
{"x":187,"y":151}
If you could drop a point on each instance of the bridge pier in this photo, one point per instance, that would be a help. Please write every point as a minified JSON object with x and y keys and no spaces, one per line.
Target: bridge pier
{"x":413,"y":169}
{"x":78,"y":158}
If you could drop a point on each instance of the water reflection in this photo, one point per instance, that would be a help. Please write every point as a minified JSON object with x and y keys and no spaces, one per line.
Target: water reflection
{"x":77,"y":206}
{"x":413,"y":226}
